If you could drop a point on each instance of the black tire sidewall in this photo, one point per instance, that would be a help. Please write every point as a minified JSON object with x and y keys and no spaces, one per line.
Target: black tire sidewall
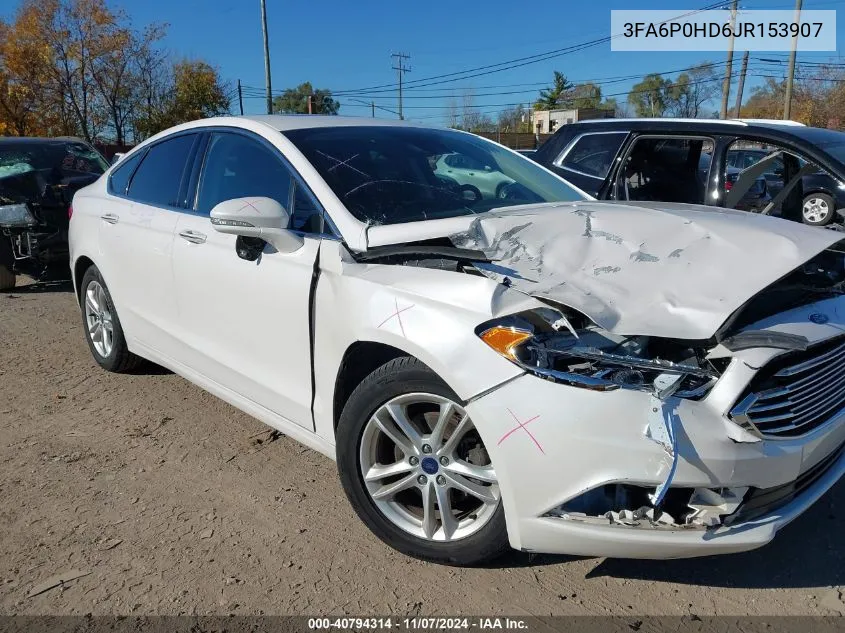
{"x":7,"y":264}
{"x":404,"y":375}
{"x":119,"y":349}
{"x":830,"y":204}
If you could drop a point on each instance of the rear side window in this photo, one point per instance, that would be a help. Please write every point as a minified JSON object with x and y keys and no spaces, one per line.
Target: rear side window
{"x":119,"y":179}
{"x":668,"y":169}
{"x":593,"y":154}
{"x":159,"y":177}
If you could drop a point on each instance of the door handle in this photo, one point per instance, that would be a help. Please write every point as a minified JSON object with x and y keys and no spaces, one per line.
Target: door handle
{"x":194,"y":237}
{"x":111,"y":218}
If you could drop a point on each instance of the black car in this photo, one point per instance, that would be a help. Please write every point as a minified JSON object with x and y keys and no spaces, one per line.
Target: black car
{"x":666,"y":159}
{"x":38,"y":177}
{"x":823,"y":194}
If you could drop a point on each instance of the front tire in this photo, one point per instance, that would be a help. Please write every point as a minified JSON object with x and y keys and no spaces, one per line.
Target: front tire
{"x":415,"y":469}
{"x":817,"y":209}
{"x":103,"y":331}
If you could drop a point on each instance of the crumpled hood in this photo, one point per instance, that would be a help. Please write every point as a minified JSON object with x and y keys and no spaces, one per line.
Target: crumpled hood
{"x":656,"y":269}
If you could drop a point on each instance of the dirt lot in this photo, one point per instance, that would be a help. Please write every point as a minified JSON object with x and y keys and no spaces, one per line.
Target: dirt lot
{"x":173,"y":502}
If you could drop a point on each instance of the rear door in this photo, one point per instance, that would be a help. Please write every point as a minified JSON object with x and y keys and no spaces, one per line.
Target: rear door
{"x":245,"y":324}
{"x":136,"y":240}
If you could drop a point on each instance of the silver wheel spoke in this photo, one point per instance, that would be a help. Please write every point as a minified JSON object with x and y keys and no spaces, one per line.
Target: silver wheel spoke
{"x":404,"y":424}
{"x":381,"y":471}
{"x":462,"y":483}
{"x":429,"y":522}
{"x":447,"y":409}
{"x":90,"y":302}
{"x":97,"y":333}
{"x":482,"y":473}
{"x":463,"y":426}
{"x":390,"y":490}
{"x":447,"y":518}
{"x":395,"y":435}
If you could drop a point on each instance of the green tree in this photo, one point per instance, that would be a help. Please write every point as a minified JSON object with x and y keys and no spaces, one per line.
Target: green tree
{"x":552,"y":97}
{"x":648,"y":97}
{"x":584,"y":96}
{"x":295,"y":101}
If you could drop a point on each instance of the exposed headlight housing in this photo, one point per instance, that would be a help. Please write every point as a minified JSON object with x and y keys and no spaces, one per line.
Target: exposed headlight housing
{"x":16,"y":215}
{"x":544,"y":343}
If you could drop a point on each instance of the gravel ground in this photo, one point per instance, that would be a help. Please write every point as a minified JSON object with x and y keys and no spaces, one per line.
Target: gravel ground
{"x":170,"y":501}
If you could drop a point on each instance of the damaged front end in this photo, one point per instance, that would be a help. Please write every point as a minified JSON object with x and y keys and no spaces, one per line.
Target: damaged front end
{"x":571,"y":350}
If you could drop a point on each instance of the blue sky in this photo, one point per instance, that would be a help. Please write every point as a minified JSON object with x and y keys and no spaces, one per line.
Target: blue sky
{"x":342,"y":45}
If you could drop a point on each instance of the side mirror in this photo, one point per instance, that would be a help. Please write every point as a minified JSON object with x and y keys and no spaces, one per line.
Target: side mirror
{"x":258,"y":217}
{"x":117,"y":157}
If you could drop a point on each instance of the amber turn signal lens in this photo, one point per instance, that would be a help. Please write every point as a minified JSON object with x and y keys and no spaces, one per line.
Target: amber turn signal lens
{"x":505,"y":339}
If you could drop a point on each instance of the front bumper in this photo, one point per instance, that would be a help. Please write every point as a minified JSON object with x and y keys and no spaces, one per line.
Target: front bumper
{"x":580,"y":440}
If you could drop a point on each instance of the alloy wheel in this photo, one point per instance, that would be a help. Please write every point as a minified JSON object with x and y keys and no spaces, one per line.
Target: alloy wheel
{"x":816,"y":210}
{"x":98,"y":318}
{"x":426,"y":469}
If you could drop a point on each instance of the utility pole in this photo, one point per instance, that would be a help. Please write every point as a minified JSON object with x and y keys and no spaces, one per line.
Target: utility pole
{"x":266,"y":57}
{"x":790,"y":77}
{"x":373,"y":107}
{"x":741,"y":85}
{"x":240,"y":98}
{"x":309,"y":104}
{"x":401,"y":68}
{"x":726,"y":82}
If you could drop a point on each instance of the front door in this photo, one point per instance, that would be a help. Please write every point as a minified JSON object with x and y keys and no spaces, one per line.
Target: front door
{"x":245,"y":324}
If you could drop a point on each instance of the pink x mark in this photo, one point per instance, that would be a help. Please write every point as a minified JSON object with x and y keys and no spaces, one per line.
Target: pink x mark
{"x":397,"y":315}
{"x":521,"y":425}
{"x":247,"y":203}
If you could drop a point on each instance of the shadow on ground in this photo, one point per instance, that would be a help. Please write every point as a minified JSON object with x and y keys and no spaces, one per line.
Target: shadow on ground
{"x":41,"y":286}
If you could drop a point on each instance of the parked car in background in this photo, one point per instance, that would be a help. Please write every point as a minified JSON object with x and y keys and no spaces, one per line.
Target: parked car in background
{"x":802,"y":168}
{"x":540,"y":370}
{"x":823,"y":193}
{"x":483,"y":180}
{"x":38,"y":177}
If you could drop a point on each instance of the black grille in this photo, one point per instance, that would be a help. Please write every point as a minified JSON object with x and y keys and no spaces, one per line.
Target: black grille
{"x":795,"y":393}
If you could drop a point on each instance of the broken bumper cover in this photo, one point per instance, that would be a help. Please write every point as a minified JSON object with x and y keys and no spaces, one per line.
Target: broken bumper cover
{"x":551,"y":443}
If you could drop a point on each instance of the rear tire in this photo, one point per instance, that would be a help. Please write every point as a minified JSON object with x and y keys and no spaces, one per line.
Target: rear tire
{"x":430,"y":464}
{"x":7,"y":273}
{"x":817,"y":209}
{"x":103,"y":331}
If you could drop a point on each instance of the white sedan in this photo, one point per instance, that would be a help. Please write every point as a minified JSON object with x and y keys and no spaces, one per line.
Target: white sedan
{"x":537,"y":370}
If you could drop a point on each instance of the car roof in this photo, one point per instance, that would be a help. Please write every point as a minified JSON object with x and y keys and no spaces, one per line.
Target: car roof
{"x":283,"y":122}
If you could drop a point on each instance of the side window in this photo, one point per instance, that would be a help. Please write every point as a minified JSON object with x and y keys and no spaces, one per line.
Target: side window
{"x":119,"y":179}
{"x":667,"y":169}
{"x":159,"y":176}
{"x":593,"y":154}
{"x":238,"y":167}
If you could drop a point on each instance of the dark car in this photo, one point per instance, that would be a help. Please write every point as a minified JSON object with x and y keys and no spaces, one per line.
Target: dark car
{"x":667,"y":159}
{"x":823,"y":194}
{"x":38,"y":177}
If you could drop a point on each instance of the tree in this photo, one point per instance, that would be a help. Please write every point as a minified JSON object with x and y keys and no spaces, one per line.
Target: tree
{"x":195,"y":92}
{"x":514,"y":120}
{"x":584,"y":96}
{"x":551,"y":97}
{"x":685,"y":96}
{"x":648,"y":97}
{"x":295,"y":101}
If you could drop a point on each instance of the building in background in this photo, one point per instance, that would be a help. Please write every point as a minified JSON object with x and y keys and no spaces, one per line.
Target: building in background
{"x":549,"y":121}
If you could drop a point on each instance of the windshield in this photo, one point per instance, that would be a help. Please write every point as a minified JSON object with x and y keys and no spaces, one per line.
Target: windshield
{"x":390,"y":175}
{"x":56,"y":161}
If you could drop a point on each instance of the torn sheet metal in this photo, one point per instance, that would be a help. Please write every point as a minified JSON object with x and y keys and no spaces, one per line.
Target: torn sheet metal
{"x":662,"y":429}
{"x":647,"y":268}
